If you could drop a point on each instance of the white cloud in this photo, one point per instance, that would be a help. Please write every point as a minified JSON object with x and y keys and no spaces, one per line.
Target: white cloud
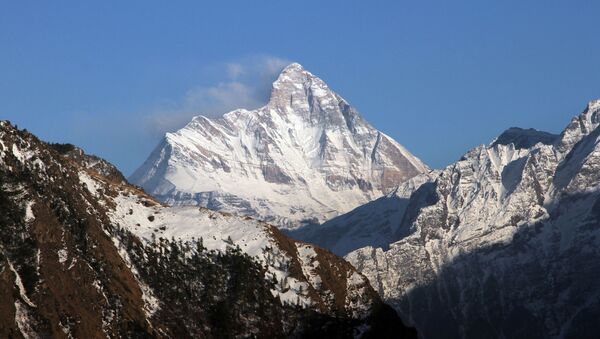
{"x":235,"y":70}
{"x":209,"y":101}
{"x":273,"y":65}
{"x":247,"y":85}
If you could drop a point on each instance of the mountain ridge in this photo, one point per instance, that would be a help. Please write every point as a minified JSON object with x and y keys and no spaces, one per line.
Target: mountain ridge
{"x":502,"y":243}
{"x":85,"y":254}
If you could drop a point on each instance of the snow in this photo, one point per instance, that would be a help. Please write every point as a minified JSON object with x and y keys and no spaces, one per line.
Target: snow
{"x":185,"y":223}
{"x":62,"y":255}
{"x":17,"y":153}
{"x":66,"y":330}
{"x":151,"y":303}
{"x":593,"y":105}
{"x":20,"y":286}
{"x":525,"y":216}
{"x":72,"y":264}
{"x":24,"y":320}
{"x":22,"y":154}
{"x":3,"y":148}
{"x":356,"y":283}
{"x":307,"y":256}
{"x":29,"y":217}
{"x":90,"y":183}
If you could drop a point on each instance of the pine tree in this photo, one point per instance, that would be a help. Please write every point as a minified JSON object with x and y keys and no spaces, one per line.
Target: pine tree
{"x":200,"y":245}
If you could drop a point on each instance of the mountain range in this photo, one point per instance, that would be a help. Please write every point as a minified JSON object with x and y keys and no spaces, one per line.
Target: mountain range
{"x":504,"y":243}
{"x":501,"y":244}
{"x":300,"y":219}
{"x":84,"y":254}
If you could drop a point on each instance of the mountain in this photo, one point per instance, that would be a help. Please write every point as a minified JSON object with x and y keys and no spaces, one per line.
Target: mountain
{"x":92,"y":162}
{"x":374,"y":224}
{"x":85,"y":254}
{"x":504,"y":243}
{"x":303,"y":158}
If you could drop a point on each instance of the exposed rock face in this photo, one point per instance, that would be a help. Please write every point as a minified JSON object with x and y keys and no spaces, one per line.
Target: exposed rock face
{"x":87,"y":255}
{"x":303,"y":158}
{"x":505,"y":243}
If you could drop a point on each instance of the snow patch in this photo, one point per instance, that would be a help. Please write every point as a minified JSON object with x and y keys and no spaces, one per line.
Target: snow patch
{"x":151,"y":303}
{"x":62,"y":255}
{"x":91,"y":184}
{"x":17,"y":153}
{"x":20,"y":286}
{"x":29,"y":217}
{"x":308,"y":258}
{"x":24,"y":321}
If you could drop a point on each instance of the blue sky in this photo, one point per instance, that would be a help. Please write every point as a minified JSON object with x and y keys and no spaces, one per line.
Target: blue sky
{"x":438,"y":76}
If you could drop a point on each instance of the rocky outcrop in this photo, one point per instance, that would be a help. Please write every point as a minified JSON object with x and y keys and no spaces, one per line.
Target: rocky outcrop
{"x":92,"y":162}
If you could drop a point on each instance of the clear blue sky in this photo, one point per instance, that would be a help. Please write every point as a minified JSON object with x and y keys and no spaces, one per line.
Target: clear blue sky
{"x":438,"y":76}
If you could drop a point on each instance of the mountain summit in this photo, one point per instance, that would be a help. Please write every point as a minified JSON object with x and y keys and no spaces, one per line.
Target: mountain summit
{"x":304,"y":157}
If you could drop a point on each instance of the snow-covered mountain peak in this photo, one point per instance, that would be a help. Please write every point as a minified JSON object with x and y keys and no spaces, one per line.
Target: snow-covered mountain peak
{"x":580,"y":126}
{"x":299,"y":93}
{"x":593,"y":105}
{"x":293,"y":68}
{"x":524,"y":138}
{"x":294,"y":76}
{"x":293,"y":73}
{"x":306,"y":155}
{"x":590,"y":118}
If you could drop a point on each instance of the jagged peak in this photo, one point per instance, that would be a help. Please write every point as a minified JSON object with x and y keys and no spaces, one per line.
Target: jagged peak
{"x":580,"y":126}
{"x":293,"y":73}
{"x":293,"y":67}
{"x":524,"y":138}
{"x":7,"y":126}
{"x":593,"y":105}
{"x":296,"y":87}
{"x":591,"y":115}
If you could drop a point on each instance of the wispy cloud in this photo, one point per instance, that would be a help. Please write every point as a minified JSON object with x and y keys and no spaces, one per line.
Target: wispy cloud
{"x":247,"y":84}
{"x":235,"y":70}
{"x":128,"y":136}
